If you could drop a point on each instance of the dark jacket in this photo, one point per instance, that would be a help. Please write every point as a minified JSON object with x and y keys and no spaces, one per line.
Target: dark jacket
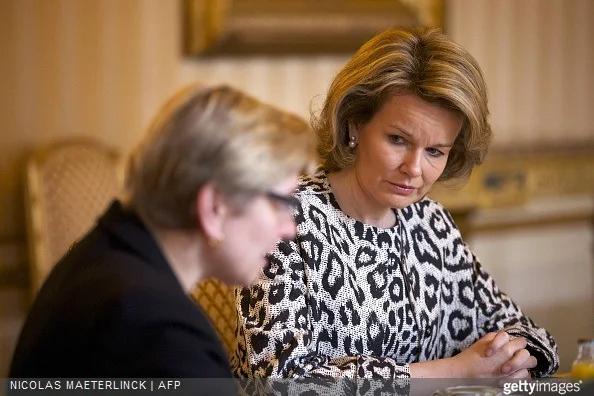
{"x":112,"y":307}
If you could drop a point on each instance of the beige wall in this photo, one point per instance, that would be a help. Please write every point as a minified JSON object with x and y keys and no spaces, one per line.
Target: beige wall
{"x":538,"y":58}
{"x":100,"y":68}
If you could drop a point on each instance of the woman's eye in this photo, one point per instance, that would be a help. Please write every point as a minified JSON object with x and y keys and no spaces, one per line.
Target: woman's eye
{"x":434,"y":152}
{"x":396,"y":139}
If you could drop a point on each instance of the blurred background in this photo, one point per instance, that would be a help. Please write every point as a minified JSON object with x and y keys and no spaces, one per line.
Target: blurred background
{"x":100,"y":69}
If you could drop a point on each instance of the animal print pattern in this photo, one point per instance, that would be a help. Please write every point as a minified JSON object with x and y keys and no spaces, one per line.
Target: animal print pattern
{"x":346,"y":299}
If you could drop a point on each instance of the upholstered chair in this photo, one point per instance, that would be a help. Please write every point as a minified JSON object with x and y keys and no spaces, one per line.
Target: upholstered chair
{"x":217,"y":300}
{"x":68,"y":185}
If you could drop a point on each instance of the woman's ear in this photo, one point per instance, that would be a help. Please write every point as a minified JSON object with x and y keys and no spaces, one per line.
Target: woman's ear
{"x":353,"y":130}
{"x":211,"y":210}
{"x":353,"y":137}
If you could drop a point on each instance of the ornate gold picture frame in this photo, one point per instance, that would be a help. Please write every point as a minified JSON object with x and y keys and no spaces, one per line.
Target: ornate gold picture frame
{"x":242,"y":27}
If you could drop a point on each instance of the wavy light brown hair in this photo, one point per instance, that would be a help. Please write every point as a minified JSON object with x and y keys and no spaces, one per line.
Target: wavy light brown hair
{"x":422,"y":61}
{"x":213,"y":134}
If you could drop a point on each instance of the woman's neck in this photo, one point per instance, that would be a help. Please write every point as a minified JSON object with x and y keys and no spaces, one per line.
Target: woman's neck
{"x":356,"y":203}
{"x":183,"y":253}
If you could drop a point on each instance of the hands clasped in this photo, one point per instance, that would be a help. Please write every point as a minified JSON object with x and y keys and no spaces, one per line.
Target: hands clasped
{"x":497,"y":355}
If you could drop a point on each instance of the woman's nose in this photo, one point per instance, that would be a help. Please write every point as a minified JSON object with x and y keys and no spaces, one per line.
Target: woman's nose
{"x":412,"y":163}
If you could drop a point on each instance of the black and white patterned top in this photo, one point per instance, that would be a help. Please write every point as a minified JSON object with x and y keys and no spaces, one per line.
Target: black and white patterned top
{"x":346,"y":299}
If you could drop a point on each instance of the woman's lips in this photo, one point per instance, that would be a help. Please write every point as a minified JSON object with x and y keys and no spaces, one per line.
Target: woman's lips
{"x":402,"y":189}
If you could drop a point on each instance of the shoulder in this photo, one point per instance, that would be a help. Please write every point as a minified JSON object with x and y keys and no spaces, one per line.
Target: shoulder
{"x":313,"y":190}
{"x":425,"y":209}
{"x":314,"y":195}
{"x":431,"y":215}
{"x":318,"y":210}
{"x":314,"y":183}
{"x":110,"y":286}
{"x":139,"y":295}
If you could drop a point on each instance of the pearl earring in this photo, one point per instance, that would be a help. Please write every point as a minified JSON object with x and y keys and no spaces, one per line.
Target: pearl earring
{"x":352,"y":142}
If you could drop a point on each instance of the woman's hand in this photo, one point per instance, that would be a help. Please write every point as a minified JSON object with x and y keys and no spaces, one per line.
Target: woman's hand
{"x":497,"y":355}
{"x":520,"y":363}
{"x":483,"y":359}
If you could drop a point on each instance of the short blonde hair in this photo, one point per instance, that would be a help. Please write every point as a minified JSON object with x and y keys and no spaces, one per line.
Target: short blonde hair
{"x":422,"y":61}
{"x":212,"y":134}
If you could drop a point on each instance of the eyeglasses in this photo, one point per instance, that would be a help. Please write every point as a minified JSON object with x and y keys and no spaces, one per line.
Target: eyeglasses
{"x":287,"y":202}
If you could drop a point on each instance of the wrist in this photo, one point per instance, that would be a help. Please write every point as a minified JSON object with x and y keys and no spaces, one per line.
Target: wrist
{"x":440,"y":368}
{"x":455,"y":368}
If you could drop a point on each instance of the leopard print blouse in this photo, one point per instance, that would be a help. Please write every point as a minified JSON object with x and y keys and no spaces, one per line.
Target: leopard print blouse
{"x":346,"y":299}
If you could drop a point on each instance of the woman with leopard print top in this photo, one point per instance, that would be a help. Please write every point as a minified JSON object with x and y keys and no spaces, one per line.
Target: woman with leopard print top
{"x":378,"y":281}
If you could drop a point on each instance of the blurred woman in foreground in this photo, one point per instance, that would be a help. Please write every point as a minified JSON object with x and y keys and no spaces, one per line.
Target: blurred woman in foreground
{"x":208,"y":193}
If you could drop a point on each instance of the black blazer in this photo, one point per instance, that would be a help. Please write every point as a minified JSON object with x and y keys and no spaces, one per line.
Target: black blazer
{"x":112,"y":307}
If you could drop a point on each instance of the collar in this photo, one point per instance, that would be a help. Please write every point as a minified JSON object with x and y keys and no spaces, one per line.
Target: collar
{"x":126,"y":226}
